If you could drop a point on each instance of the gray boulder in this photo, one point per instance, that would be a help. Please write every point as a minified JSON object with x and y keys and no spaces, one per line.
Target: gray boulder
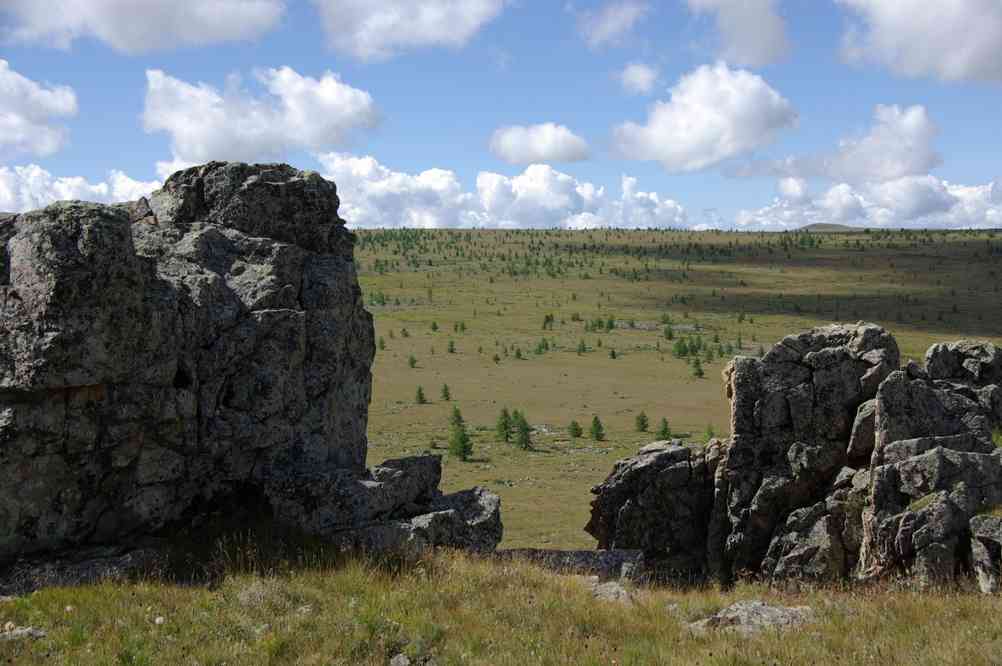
{"x":968,"y":362}
{"x":161,"y":357}
{"x":864,"y":434}
{"x":470,"y":519}
{"x":986,"y":552}
{"x":611,"y":591}
{"x":656,"y":502}
{"x":21,"y":633}
{"x":910,"y":407}
{"x":748,"y":618}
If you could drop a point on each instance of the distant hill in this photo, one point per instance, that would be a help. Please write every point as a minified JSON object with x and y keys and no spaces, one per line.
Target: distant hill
{"x":827,"y":228}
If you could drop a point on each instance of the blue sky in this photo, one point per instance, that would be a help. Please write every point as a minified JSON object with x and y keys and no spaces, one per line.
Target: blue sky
{"x":733,"y":113}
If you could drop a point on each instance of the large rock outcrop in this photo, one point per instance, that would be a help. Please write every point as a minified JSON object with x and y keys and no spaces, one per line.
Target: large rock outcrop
{"x":208,"y":342}
{"x":839,"y":466}
{"x":792,"y":413}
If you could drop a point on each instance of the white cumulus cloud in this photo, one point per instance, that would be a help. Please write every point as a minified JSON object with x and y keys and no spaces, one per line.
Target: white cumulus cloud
{"x":28,"y":113}
{"x":912,"y":197}
{"x":842,"y":204}
{"x":612,"y":23}
{"x":995,"y":191}
{"x":139,"y":26}
{"x":715,"y":113}
{"x":953,"y":40}
{"x":373,"y":195}
{"x":879,"y":178}
{"x":28,"y":187}
{"x":379,"y":30}
{"x":793,"y":189}
{"x":638,"y":78}
{"x":296,"y":113}
{"x":752,"y":32}
{"x":547,"y":142}
{"x":899,"y":143}
{"x":910,"y":201}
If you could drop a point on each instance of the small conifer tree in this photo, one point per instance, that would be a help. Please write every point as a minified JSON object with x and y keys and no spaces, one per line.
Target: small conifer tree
{"x":664,"y":432}
{"x":460,"y":444}
{"x":419,"y":397}
{"x":574,"y":430}
{"x":523,"y":432}
{"x":503,"y":427}
{"x":641,"y":422}
{"x":597,"y":429}
{"x":446,"y":394}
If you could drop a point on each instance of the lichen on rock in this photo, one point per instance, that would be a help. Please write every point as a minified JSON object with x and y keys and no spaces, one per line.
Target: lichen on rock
{"x":839,"y":466}
{"x":210,"y":340}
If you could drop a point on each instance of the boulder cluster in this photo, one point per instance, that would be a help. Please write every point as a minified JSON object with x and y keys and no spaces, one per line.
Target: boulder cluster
{"x":840,"y":465}
{"x":204,"y":347}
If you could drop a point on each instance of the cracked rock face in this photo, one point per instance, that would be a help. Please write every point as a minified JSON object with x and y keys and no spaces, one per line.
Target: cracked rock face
{"x":792,"y":414}
{"x":655,"y":503}
{"x":935,"y":466}
{"x":839,"y":466}
{"x":206,"y":342}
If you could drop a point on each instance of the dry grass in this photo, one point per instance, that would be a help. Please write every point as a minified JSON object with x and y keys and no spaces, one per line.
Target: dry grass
{"x":463,"y":611}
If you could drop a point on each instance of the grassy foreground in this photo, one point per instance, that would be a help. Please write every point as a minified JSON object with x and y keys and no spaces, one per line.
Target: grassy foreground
{"x":457,"y":610}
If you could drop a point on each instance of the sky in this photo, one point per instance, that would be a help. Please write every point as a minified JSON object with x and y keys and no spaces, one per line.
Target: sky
{"x":734,"y":114}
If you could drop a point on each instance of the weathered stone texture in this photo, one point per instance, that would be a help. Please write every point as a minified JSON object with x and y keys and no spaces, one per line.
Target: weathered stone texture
{"x":208,"y":341}
{"x":792,"y":413}
{"x":839,"y":465}
{"x":655,"y":503}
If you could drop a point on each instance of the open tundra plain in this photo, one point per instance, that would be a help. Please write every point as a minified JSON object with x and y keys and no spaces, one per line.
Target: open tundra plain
{"x":527,"y":317}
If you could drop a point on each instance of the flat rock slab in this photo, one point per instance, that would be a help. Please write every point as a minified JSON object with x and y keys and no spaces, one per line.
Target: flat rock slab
{"x":751,"y":617}
{"x":84,"y":567}
{"x":606,"y":564}
{"x":21,"y":633}
{"x":611,"y":591}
